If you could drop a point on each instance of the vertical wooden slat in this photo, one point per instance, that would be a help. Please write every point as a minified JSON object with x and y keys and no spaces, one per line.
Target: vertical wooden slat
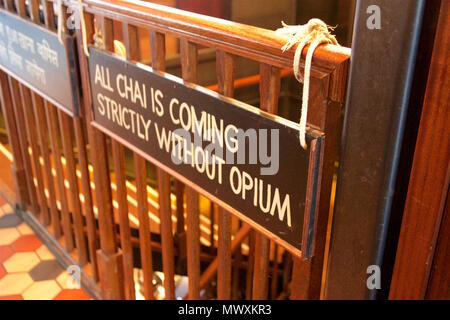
{"x":9,"y":5}
{"x":109,"y":260}
{"x":38,"y":104}
{"x":33,"y":7}
{"x":211,"y":271}
{"x":158,"y":51}
{"x":56,"y":148}
{"x":22,"y":135}
{"x":286,"y":274}
{"x":225,"y":77}
{"x":180,"y":234}
{"x":250,"y":265}
{"x":269,"y":89}
{"x":82,"y":157}
{"x":269,"y":92}
{"x":52,"y":120}
{"x":12,"y":129}
{"x":224,"y":254}
{"x":140,"y":170}
{"x":66,"y":135}
{"x":236,"y":273}
{"x":189,"y":60}
{"x":125,"y":234}
{"x":166,"y":233}
{"x":21,"y":7}
{"x":274,"y":282}
{"x":49,"y":14}
{"x":30,"y":126}
{"x":97,"y":141}
{"x":87,"y":194}
{"x":41,"y":124}
{"x":131,"y":38}
{"x":261,"y":269}
{"x":121,"y":193}
{"x":213,"y":209}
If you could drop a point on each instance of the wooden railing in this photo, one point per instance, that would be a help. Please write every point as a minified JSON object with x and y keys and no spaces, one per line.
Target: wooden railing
{"x":95,"y":228}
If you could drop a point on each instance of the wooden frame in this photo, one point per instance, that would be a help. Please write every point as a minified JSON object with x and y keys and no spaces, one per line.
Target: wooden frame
{"x":108,"y":256}
{"x":423,"y":219}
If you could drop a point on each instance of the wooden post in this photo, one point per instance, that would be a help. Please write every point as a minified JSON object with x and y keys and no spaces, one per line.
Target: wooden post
{"x":109,"y":260}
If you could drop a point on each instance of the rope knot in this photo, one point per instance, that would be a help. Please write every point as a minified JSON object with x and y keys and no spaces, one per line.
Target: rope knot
{"x":314,"y":33}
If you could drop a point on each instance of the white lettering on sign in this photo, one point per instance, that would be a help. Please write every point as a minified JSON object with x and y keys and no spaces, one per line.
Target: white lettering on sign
{"x":263,"y":195}
{"x":201,"y":139}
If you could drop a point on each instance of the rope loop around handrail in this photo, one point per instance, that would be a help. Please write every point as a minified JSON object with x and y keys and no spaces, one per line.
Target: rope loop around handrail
{"x":314,"y":33}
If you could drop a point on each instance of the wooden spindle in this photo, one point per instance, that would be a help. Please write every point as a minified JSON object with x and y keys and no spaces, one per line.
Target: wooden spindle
{"x":118,"y":152}
{"x":189,"y":62}
{"x":209,"y":273}
{"x":213,"y":209}
{"x":261,"y":269}
{"x":109,"y":261}
{"x":41,"y":124}
{"x":250,"y":266}
{"x":30,"y":126}
{"x":66,"y":136}
{"x":158,"y":51}
{"x":21,"y":10}
{"x":33,"y":7}
{"x":12,"y":128}
{"x":49,"y":14}
{"x":9,"y":5}
{"x":88,"y":205}
{"x":21,"y":7}
{"x":225,"y":76}
{"x":269,"y":93}
{"x":275,"y":271}
{"x":180,"y":233}
{"x":287,"y":270}
{"x":41,"y":129}
{"x":52,"y":119}
{"x":236,"y":272}
{"x":22,"y":135}
{"x":131,"y":38}
{"x":82,"y":159}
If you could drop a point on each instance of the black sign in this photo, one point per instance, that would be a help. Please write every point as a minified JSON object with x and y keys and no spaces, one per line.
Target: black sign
{"x":246,"y":160}
{"x":34,"y":56}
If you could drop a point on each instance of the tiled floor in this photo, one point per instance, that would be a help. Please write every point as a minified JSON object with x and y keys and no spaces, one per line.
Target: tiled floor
{"x":28,"y":270}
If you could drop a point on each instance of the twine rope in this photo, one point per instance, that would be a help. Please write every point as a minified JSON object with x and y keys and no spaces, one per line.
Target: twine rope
{"x":314,"y":33}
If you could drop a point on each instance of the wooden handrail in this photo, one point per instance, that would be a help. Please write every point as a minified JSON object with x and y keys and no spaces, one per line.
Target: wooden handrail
{"x":240,"y":39}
